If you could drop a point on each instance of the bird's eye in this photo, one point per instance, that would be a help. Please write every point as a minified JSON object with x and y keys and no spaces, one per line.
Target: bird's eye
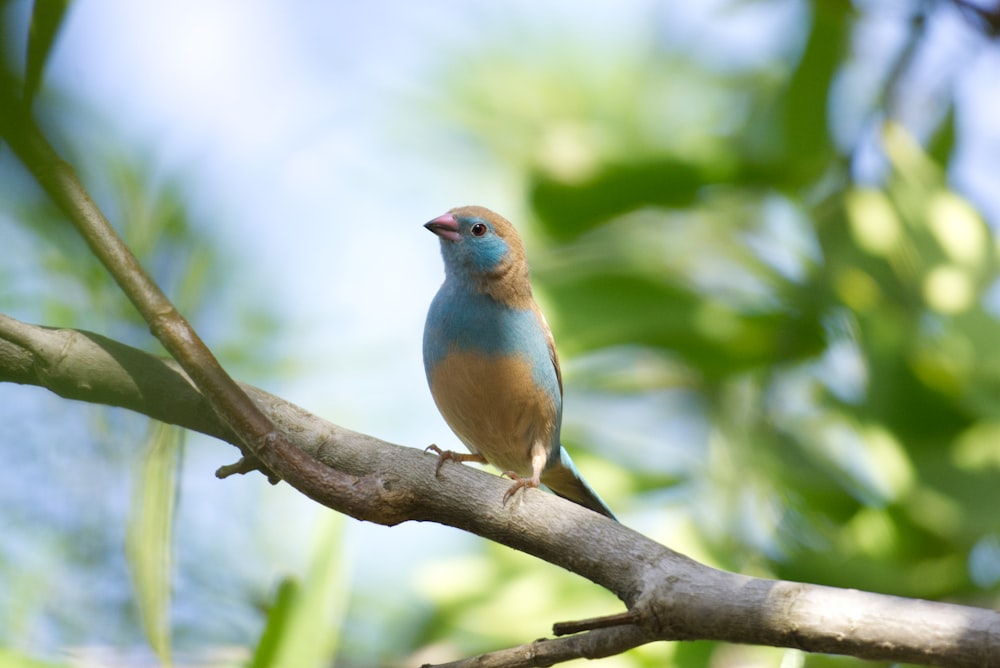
{"x":478,"y":230}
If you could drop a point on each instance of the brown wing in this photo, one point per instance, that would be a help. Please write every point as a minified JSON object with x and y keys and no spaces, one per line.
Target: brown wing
{"x":553,"y":355}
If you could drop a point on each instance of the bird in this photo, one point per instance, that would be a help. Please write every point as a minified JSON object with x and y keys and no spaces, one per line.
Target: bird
{"x":491,"y":361}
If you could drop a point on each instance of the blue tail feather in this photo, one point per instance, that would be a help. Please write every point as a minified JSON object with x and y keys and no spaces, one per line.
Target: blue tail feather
{"x":565,"y":481}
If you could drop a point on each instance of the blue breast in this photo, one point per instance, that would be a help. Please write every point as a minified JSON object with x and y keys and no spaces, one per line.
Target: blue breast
{"x":461,"y":320}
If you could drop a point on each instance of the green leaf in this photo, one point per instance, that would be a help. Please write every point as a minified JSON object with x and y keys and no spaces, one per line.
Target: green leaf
{"x":692,"y":654}
{"x":303,"y":625}
{"x":150,"y":534}
{"x":46,"y":18}
{"x":567,"y":210}
{"x":942,"y":141}
{"x":787,"y":139}
{"x":805,"y":105}
{"x":602,"y":309}
{"x":278,"y":619}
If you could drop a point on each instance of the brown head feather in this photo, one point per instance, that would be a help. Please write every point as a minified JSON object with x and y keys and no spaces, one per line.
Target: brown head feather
{"x":510,"y":282}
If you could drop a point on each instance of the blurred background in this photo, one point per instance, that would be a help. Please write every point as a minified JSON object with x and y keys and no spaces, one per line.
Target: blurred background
{"x":763,"y":233}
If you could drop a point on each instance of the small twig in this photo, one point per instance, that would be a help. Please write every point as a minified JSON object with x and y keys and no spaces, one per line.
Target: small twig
{"x":901,"y":64}
{"x":246,"y":464}
{"x":550,"y":651}
{"x":619,"y":619}
{"x":986,"y":19}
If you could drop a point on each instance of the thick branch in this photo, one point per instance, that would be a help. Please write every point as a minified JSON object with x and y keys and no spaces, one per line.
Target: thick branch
{"x":673,"y":597}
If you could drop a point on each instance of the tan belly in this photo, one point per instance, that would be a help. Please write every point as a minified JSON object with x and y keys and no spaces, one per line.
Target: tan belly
{"x":494,"y":407}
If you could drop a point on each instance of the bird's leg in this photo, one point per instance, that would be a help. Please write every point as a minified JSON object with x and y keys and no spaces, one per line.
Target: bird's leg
{"x":538,"y":457}
{"x":445,"y":455}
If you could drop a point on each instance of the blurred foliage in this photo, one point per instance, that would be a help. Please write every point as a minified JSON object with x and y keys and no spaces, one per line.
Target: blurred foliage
{"x":154,"y":215}
{"x":65,"y":555}
{"x":305,"y":616}
{"x":152,"y":208}
{"x":9,"y":659}
{"x":835,"y":340}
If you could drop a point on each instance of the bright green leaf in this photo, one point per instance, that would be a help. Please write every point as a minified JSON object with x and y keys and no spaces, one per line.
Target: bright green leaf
{"x":150,"y":534}
{"x":304,"y":624}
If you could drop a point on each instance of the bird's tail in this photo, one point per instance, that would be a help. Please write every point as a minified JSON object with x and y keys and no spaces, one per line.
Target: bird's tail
{"x":563,"y":479}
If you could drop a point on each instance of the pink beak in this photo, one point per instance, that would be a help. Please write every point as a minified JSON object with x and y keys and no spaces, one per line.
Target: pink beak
{"x":445,"y":226}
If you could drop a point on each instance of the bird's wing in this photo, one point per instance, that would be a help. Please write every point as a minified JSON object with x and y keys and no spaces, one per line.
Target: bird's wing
{"x":553,"y":355}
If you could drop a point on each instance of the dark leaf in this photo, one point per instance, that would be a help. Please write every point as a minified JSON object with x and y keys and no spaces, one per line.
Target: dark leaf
{"x":46,"y":19}
{"x":567,"y":210}
{"x":606,"y":309}
{"x":942,"y":142}
{"x":804,"y":107}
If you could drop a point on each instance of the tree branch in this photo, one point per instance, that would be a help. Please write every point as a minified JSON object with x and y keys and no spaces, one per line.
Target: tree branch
{"x":671,"y":596}
{"x":254,"y":431}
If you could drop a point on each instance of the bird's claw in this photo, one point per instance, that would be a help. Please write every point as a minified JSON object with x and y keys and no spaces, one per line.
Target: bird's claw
{"x":445,"y":455}
{"x":519,"y":483}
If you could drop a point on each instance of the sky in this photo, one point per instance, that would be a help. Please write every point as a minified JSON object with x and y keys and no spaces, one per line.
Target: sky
{"x":307,"y":133}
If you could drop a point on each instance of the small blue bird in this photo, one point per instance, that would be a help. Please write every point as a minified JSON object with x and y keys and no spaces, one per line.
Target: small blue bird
{"x":491,"y":362}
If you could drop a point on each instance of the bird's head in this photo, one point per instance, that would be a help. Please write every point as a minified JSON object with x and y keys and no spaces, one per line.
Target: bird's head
{"x":480,"y":246}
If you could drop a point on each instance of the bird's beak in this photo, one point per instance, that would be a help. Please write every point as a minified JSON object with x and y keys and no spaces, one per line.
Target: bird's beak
{"x":445,"y":226}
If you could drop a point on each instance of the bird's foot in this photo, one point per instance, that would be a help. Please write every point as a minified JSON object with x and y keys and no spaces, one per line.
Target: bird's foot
{"x":519,"y":483}
{"x":445,"y":455}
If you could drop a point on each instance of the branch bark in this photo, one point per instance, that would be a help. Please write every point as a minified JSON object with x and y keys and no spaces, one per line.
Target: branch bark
{"x":671,"y":596}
